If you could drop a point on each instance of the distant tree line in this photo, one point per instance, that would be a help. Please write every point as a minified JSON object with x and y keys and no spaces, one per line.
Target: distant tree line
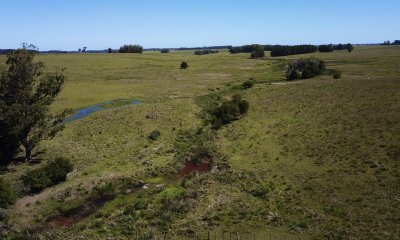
{"x":205,"y":52}
{"x":6,"y":51}
{"x":330,"y":47}
{"x":128,"y":48}
{"x":165,"y":50}
{"x":395,"y":42}
{"x":285,"y":50}
{"x":244,"y":49}
{"x":201,"y":48}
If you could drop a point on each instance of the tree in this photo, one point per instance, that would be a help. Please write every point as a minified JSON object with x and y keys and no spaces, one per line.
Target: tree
{"x":79,"y":50}
{"x":84,"y":49}
{"x":109,"y":50}
{"x":258,"y":52}
{"x":26,"y":93}
{"x":396,"y":42}
{"x":349,"y":47}
{"x":127,"y":48}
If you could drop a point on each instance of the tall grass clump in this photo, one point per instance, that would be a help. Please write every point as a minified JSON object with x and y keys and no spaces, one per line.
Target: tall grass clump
{"x":7,"y":194}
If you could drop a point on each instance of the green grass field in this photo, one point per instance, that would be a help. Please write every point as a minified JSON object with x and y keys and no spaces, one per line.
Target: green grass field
{"x":313,"y":159}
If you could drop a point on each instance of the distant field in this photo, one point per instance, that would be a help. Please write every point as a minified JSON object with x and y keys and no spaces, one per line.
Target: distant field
{"x":313,"y":159}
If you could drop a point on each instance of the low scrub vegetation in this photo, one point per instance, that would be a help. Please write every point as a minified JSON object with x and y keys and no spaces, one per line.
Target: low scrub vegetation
{"x":304,"y":68}
{"x":51,"y":174}
{"x":164,"y":50}
{"x":229,"y":111}
{"x":7,"y":194}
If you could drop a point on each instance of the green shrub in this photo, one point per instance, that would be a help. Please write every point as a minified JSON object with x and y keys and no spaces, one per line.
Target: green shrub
{"x":304,"y":68}
{"x":7,"y":194}
{"x":184,"y":65}
{"x":166,"y":50}
{"x":248,"y":84}
{"x":154,"y":135}
{"x":229,"y":111}
{"x":36,"y":180}
{"x":58,"y":170}
{"x":53,"y":173}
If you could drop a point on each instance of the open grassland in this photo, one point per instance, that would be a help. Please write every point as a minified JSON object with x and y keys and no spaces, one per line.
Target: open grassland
{"x":315,"y":158}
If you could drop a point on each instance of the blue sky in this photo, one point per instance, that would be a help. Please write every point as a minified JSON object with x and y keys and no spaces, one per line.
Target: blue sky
{"x":100,"y":24}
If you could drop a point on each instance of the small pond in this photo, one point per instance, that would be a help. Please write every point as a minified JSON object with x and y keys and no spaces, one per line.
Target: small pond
{"x":84,"y":112}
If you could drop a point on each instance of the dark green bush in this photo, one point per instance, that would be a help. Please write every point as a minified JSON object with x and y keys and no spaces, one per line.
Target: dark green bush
{"x":9,"y":144}
{"x":58,"y":169}
{"x":281,"y":50}
{"x":205,"y":52}
{"x":248,"y":84}
{"x":184,"y":65}
{"x":154,"y":135}
{"x":337,"y":75}
{"x":7,"y":194}
{"x":229,"y":111}
{"x":326,"y":48}
{"x":304,"y":68}
{"x":164,"y":50}
{"x":53,"y":173}
{"x":3,"y":215}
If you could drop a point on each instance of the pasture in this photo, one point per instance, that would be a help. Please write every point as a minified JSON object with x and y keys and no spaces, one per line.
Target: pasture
{"x":316,"y":158}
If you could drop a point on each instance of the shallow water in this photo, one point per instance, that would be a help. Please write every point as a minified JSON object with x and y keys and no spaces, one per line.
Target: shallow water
{"x":84,"y":112}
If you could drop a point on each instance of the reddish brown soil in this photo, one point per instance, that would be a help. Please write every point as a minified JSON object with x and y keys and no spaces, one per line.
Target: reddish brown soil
{"x":63,"y":221}
{"x":202,"y":167}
